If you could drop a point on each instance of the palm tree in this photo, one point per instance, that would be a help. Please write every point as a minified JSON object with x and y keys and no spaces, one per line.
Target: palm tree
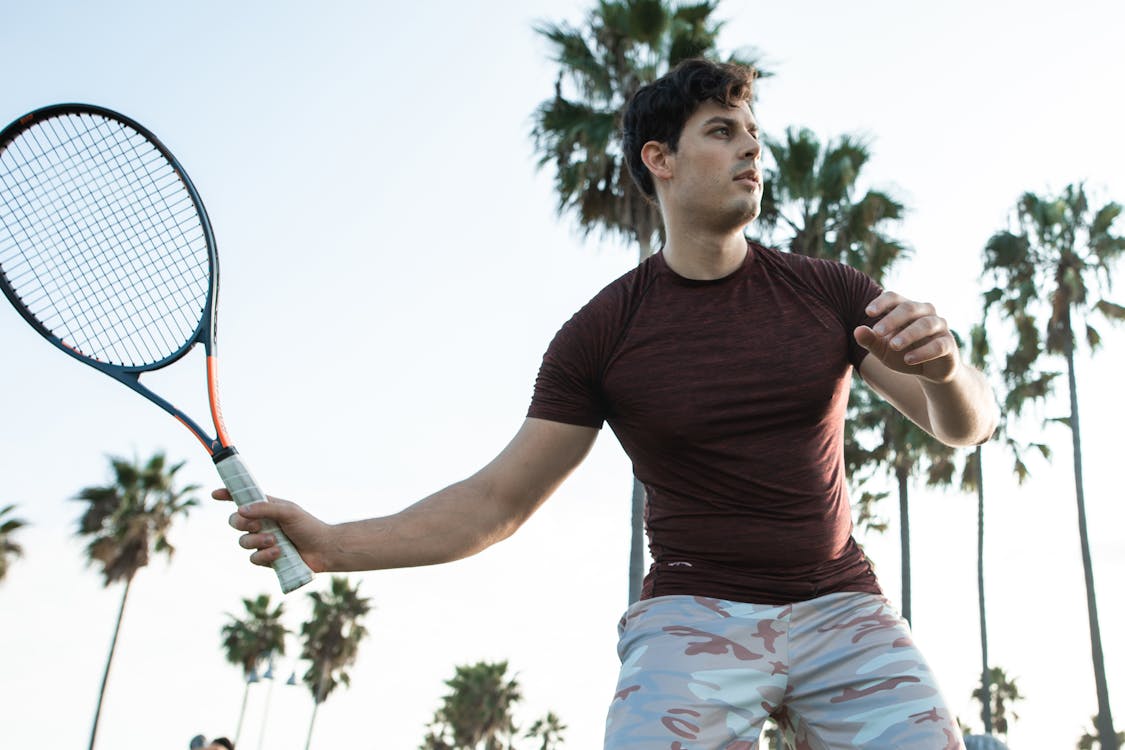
{"x":1027,"y":385}
{"x":996,"y":694}
{"x":477,"y":712}
{"x":331,"y":640}
{"x":127,"y":521}
{"x":549,"y":730}
{"x":1089,"y":739}
{"x":9,"y":548}
{"x":248,"y":641}
{"x":1058,"y":263}
{"x":624,"y":45}
{"x":904,"y":451}
{"x":810,"y":197}
{"x":812,"y":204}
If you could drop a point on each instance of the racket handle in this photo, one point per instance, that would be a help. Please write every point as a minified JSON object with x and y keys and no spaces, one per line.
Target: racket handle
{"x":290,"y":568}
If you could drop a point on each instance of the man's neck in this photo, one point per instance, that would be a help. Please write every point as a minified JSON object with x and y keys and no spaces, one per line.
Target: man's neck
{"x":704,"y":257}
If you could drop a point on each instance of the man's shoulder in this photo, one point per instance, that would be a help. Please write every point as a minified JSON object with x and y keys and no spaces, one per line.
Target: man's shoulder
{"x":621,"y":293}
{"x":797,"y":262}
{"x":811,"y":271}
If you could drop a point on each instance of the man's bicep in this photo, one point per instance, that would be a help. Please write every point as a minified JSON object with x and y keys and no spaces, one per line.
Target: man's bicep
{"x":900,"y":390}
{"x":536,"y":461}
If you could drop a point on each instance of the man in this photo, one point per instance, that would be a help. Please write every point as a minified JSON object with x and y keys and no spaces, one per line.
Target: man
{"x":723,"y":368}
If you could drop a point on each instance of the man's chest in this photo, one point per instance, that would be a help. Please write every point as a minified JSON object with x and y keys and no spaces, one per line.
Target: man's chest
{"x":726,"y":364}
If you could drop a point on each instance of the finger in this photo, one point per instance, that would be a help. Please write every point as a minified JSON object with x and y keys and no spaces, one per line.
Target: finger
{"x":929,"y":350}
{"x":242,"y":523}
{"x":221,"y":494}
{"x":266,"y":557}
{"x":917,"y":332}
{"x":901,"y":316}
{"x":257,"y":541}
{"x":884,"y":302}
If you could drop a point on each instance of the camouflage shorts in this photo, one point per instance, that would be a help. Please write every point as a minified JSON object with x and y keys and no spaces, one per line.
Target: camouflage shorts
{"x":839,"y":671}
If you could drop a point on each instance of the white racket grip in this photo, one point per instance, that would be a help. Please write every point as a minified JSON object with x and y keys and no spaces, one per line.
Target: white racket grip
{"x":290,"y":568}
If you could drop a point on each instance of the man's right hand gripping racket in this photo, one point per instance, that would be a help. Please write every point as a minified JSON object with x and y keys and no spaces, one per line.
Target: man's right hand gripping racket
{"x":106,"y":250}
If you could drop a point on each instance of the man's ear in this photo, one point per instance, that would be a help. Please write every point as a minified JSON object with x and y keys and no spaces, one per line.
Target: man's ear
{"x":658,"y":158}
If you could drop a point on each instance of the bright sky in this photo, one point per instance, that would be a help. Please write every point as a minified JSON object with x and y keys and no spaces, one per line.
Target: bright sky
{"x":392,"y":272}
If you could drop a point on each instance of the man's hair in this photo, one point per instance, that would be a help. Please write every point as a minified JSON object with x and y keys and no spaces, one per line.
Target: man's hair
{"x":658,"y":111}
{"x":224,"y":742}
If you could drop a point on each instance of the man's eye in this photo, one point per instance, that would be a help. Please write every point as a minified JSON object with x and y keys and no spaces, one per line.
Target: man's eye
{"x":721,"y":131}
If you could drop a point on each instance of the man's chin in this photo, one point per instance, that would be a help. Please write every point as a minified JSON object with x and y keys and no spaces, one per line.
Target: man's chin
{"x":747,"y":213}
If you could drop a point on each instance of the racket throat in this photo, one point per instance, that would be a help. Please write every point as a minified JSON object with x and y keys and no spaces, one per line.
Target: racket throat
{"x":213,"y":399}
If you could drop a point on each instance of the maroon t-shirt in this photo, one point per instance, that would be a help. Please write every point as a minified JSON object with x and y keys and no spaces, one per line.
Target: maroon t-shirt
{"x":729,"y":397}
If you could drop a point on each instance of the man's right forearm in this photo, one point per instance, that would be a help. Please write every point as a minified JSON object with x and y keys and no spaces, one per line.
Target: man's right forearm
{"x":468,"y":516}
{"x":454,"y":523}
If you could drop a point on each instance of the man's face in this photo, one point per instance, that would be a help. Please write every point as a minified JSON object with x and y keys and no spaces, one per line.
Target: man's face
{"x":716,"y":174}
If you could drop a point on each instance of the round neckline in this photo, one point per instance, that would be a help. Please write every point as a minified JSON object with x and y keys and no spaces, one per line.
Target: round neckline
{"x":741,"y":270}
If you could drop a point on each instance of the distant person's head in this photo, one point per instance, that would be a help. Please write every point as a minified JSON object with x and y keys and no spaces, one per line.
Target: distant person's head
{"x":221,"y":743}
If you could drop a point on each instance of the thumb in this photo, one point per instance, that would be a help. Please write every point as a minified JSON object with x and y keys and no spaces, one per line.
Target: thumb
{"x":871,"y":341}
{"x":865,"y":337}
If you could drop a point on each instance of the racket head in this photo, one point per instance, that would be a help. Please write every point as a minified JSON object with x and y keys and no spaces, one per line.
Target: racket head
{"x":105,"y":245}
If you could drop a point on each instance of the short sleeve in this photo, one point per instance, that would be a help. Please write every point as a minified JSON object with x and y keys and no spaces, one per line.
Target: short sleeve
{"x":848,"y":291}
{"x":567,"y":388}
{"x":861,"y":289}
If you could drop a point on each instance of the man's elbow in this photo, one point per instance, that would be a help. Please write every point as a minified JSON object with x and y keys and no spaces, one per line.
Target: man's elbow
{"x":969,"y":433}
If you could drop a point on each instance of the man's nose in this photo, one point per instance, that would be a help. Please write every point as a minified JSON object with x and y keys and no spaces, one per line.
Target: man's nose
{"x":753,"y":147}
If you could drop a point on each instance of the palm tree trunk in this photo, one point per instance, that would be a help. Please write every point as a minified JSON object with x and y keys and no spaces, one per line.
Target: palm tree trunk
{"x":109,"y":661}
{"x":986,"y":687}
{"x":637,"y":522}
{"x":312,"y":722}
{"x":242,"y":711}
{"x":266,"y":713}
{"x":637,"y":542}
{"x":1104,"y":721}
{"x":904,"y":535}
{"x":317,"y":700}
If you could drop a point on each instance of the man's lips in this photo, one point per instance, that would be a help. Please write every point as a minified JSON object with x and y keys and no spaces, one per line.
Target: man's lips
{"x":750,"y":176}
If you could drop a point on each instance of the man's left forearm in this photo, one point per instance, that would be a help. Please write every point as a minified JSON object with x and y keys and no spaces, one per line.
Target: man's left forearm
{"x":962,"y":410}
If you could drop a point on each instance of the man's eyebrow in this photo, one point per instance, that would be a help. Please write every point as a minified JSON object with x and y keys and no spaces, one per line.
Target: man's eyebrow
{"x":728,"y":121}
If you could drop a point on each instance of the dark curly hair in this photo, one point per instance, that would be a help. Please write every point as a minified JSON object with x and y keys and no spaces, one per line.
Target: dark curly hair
{"x":658,"y":111}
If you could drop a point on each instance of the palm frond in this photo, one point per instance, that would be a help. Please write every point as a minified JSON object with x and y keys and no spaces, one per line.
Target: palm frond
{"x":1111,"y":310}
{"x":128,"y":519}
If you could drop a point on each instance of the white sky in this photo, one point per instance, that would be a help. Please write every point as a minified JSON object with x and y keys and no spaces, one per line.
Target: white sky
{"x":393,"y":270}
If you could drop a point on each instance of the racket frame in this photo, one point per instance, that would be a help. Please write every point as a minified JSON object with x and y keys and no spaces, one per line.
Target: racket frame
{"x":206,"y":330}
{"x":291,"y":570}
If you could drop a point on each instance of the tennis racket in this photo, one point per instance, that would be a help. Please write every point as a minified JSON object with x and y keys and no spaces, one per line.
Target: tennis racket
{"x":106,"y":250}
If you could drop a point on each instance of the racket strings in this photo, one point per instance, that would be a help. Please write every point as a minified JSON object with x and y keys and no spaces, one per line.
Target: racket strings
{"x":57,"y":275}
{"x":109,"y":276}
{"x":76,"y":188}
{"x":120,"y":204}
{"x":104,"y":246}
